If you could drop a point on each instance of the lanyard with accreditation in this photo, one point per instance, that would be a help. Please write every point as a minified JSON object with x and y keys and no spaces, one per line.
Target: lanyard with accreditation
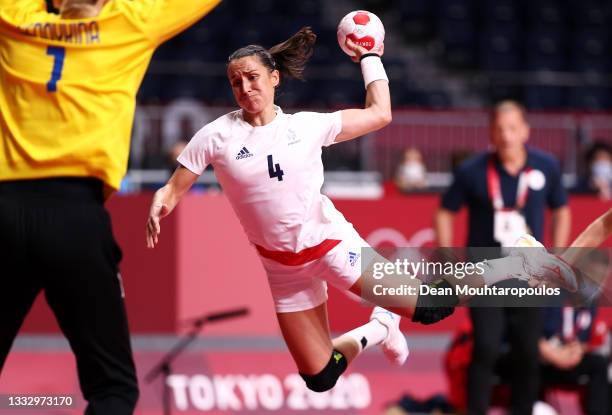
{"x":508,"y":222}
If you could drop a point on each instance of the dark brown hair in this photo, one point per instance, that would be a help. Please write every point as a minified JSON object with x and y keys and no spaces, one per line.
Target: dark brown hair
{"x":597,"y":146}
{"x":75,"y":9}
{"x":289,"y":57}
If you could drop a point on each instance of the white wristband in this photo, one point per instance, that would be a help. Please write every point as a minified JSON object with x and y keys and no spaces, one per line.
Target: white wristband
{"x":372,"y":69}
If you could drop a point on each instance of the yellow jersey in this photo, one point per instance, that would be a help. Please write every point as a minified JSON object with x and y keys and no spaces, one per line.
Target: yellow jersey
{"x":68,"y":87}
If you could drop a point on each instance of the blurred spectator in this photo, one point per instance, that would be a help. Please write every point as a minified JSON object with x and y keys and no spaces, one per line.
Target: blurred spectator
{"x":571,"y":350}
{"x":410,"y":174}
{"x":506,"y":192}
{"x":569,"y":355}
{"x":598,"y":178}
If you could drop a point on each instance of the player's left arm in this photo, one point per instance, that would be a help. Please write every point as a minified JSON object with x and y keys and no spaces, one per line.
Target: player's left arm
{"x":5,"y":3}
{"x":24,"y":5}
{"x":377,"y":111}
{"x":163,"y":19}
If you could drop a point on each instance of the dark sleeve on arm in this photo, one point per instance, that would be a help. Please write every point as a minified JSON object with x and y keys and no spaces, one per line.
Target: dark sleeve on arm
{"x":455,"y":196}
{"x":557,"y":195}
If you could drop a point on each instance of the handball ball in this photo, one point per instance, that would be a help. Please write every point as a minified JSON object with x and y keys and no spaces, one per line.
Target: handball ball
{"x":363,"y":28}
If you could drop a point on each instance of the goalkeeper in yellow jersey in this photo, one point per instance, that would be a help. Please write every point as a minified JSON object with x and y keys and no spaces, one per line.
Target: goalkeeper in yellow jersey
{"x":68,"y":84}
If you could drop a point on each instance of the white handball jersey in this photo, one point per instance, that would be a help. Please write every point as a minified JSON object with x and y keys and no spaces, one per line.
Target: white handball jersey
{"x":272,"y":175}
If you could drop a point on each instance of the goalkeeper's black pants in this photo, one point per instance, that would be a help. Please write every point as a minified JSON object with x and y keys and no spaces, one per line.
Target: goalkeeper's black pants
{"x":56,"y":237}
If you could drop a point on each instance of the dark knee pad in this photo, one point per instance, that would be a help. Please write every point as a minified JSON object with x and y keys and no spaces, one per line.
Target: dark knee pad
{"x":327,"y":378}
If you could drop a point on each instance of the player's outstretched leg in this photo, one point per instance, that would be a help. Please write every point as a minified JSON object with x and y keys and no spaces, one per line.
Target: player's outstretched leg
{"x":306,"y":333}
{"x":382,"y":330}
{"x":430,"y":303}
{"x":409,"y":299}
{"x":321,"y":360}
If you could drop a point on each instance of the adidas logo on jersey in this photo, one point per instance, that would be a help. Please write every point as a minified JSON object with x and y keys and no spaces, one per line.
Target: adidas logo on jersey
{"x":243,"y":154}
{"x":353,"y":257}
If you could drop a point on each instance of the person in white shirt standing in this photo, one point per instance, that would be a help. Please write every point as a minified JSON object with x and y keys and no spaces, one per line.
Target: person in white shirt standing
{"x":269,"y":165}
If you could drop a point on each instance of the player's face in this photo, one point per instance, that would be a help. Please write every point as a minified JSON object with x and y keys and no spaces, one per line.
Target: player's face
{"x":509,"y":130}
{"x":252,"y":84}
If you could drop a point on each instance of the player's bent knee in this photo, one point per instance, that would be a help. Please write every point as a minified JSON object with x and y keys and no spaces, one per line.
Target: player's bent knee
{"x":327,"y":378}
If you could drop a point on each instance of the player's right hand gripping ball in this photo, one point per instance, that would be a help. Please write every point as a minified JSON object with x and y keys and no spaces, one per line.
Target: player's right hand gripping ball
{"x":363,"y":28}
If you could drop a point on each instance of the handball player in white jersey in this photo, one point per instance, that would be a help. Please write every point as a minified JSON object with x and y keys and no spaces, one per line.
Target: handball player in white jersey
{"x":269,"y":165}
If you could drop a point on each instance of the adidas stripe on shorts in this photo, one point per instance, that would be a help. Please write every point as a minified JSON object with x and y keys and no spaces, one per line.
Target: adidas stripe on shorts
{"x":302,"y":287}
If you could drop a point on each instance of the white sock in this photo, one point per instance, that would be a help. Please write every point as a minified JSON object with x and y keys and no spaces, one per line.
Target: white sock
{"x":368,"y":335}
{"x":501,"y":269}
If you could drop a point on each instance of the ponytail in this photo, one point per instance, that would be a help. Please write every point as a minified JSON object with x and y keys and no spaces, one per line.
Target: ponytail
{"x":291,"y":55}
{"x":288,"y":57}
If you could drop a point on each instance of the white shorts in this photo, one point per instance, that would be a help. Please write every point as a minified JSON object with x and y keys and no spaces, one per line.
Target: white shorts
{"x":302,"y":287}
